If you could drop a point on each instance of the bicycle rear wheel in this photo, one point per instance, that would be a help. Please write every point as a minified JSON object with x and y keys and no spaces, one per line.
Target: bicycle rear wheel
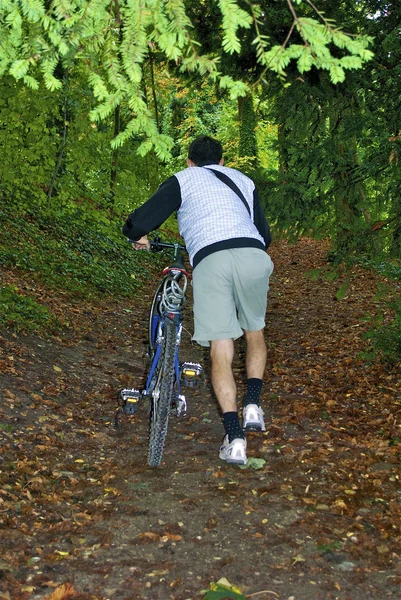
{"x":162,"y":395}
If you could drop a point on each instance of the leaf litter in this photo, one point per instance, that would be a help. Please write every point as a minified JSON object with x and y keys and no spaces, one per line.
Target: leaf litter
{"x":315,"y":515}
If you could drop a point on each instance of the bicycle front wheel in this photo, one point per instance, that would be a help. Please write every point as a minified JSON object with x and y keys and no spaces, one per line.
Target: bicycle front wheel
{"x":162,"y":395}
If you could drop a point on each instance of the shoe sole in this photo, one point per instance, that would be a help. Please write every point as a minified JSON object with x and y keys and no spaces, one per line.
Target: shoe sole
{"x":253,"y":427}
{"x":234,"y":461}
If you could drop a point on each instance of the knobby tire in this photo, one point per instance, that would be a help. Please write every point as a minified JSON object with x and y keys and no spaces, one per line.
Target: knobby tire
{"x":160,"y":407}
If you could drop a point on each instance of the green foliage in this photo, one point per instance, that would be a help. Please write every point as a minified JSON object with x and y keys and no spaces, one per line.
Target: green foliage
{"x":247,"y":134}
{"x":28,"y":141}
{"x":75,"y":250}
{"x":234,"y":17}
{"x":36,"y":124}
{"x":342,"y":290}
{"x":385,"y":337}
{"x":254,"y":463}
{"x":223,"y":590}
{"x":23,"y":313}
{"x":113,"y":41}
{"x":318,"y":38}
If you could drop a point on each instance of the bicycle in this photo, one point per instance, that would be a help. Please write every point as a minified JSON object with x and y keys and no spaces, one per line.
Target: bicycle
{"x":166,"y":374}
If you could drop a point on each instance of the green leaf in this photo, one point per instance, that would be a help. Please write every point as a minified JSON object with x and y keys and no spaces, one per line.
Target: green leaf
{"x":222,"y":590}
{"x":222,"y":594}
{"x":19,"y":68}
{"x":337,"y":74}
{"x":254,"y":463}
{"x":31,"y":82}
{"x":342,"y":290}
{"x":305,"y":61}
{"x":351,"y":62}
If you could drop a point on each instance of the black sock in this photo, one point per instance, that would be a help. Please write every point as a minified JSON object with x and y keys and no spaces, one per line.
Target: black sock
{"x":253,"y":391}
{"x":232,"y":426}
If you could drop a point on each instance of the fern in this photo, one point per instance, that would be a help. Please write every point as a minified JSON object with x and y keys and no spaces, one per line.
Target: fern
{"x":32,"y":9}
{"x":19,"y":68}
{"x":233,"y":18}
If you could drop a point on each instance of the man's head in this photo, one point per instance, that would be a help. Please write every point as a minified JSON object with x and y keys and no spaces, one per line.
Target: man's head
{"x":204,"y":150}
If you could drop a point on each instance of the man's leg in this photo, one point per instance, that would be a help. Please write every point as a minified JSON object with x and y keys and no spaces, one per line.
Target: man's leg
{"x":222,"y":354}
{"x":233,"y":449}
{"x":256,"y":355}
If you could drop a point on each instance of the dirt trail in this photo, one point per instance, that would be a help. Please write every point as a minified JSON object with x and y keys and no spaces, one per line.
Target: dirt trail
{"x":318,"y":519}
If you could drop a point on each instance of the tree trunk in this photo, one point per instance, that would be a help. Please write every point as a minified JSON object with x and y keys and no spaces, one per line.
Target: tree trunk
{"x":114,"y":157}
{"x":247,"y":135}
{"x":349,"y":194}
{"x":62,"y":126}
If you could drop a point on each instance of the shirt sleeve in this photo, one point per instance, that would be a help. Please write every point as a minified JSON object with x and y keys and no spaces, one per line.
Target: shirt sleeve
{"x":259,"y":218}
{"x":154,"y":211}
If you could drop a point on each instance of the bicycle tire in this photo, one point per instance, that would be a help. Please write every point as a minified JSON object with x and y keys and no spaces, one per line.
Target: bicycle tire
{"x":162,"y":395}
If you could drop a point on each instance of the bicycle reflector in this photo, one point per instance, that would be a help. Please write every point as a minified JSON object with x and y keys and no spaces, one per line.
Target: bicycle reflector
{"x":130,"y":400}
{"x":191,"y":374}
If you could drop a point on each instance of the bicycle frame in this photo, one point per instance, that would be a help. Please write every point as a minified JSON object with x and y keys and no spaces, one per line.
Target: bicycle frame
{"x":168,"y":302}
{"x":163,"y":382}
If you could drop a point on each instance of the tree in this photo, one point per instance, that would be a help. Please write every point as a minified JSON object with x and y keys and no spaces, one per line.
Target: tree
{"x":113,"y":38}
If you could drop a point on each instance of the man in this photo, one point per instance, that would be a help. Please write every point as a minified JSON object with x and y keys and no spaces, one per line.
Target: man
{"x":226,"y":235}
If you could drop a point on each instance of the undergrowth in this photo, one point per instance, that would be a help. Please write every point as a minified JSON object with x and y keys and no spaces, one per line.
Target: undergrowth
{"x":22,"y":313}
{"x":70,"y":250}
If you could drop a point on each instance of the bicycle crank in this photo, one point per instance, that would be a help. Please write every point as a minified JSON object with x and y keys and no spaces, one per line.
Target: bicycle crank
{"x":178,"y":407}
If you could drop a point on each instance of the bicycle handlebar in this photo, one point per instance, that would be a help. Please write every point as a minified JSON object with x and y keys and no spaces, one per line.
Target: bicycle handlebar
{"x":156,"y":245}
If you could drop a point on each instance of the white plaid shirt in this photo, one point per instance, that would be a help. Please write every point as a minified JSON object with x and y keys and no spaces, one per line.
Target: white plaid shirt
{"x":210,"y":211}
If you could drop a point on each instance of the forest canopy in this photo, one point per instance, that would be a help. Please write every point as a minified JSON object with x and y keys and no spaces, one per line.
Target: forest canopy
{"x":113,"y":41}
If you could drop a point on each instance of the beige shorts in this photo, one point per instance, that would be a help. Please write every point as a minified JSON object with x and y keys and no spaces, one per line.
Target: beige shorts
{"x":230,"y":293}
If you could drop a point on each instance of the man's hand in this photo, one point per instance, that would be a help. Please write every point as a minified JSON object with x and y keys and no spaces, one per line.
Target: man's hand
{"x":142,"y":244}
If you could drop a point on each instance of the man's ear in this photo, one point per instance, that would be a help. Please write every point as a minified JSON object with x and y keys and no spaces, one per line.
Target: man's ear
{"x":221,"y":162}
{"x":190,"y":163}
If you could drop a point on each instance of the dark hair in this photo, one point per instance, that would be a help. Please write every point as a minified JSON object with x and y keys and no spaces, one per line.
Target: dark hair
{"x":205,"y":151}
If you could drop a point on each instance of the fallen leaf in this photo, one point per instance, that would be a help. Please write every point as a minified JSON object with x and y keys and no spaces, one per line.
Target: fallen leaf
{"x":149,"y":535}
{"x":172,"y":537}
{"x":62,"y":593}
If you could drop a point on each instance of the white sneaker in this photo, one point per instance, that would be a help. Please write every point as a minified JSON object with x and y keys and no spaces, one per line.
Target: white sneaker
{"x":234,"y":452}
{"x":252,"y":418}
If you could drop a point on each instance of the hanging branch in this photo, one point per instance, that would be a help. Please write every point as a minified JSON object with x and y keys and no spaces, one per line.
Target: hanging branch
{"x":152,"y":79}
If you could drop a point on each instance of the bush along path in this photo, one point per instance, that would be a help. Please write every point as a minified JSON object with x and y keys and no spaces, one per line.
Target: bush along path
{"x":316,"y":514}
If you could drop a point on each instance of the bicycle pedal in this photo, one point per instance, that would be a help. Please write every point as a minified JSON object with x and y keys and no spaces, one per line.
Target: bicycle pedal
{"x":179,"y":406}
{"x":191,"y":374}
{"x":130,"y":400}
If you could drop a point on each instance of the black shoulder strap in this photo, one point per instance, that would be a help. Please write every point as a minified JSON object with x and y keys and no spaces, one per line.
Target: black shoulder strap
{"x":225,"y":179}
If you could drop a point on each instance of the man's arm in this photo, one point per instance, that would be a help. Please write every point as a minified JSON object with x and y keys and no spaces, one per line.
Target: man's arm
{"x":154,"y":211}
{"x":259,"y":218}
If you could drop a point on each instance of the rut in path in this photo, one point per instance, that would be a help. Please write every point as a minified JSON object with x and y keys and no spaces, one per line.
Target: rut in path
{"x":318,"y":520}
